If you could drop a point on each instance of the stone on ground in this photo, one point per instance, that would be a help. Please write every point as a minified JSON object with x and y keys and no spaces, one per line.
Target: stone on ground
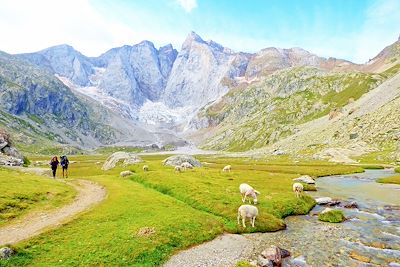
{"x":177,"y":160}
{"x":125,"y":157}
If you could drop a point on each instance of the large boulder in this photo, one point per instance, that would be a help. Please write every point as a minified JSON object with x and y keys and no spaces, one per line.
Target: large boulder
{"x":177,"y":160}
{"x":125,"y":157}
{"x":9,"y":155}
{"x":305,"y":179}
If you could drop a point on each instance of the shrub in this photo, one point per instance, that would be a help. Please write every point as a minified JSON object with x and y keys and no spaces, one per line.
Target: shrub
{"x":27,"y":162}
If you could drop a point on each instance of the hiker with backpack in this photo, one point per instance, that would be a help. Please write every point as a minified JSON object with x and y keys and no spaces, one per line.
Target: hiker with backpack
{"x":54,"y":164}
{"x":64,"y":165}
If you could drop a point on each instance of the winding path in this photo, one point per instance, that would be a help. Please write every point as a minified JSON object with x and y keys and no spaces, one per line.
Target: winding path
{"x":89,"y":193}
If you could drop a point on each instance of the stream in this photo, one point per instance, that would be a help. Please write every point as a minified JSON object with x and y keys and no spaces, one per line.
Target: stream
{"x":370,"y":236}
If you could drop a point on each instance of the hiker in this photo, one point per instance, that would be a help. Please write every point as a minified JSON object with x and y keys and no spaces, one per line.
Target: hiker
{"x":64,"y":164}
{"x":53,"y":164}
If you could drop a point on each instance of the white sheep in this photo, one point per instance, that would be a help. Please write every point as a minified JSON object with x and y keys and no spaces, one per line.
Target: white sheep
{"x":186,"y":165}
{"x":145,"y":168}
{"x":247,"y":211}
{"x":298,"y":188}
{"x":125,"y":173}
{"x":227,"y":168}
{"x":178,"y":169}
{"x":248,"y":191}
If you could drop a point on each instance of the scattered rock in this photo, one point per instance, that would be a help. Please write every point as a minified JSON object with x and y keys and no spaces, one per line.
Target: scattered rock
{"x":326,"y":210}
{"x":300,"y":261}
{"x":125,"y":173}
{"x":127,"y":158}
{"x":327,"y":201}
{"x":6,"y":253}
{"x":349,"y":205}
{"x":177,"y":160}
{"x":323,"y":200}
{"x":394,"y":264}
{"x":263,"y":262}
{"x":278,"y":152}
{"x":358,"y":257}
{"x":274,"y":255}
{"x":146,"y":231}
{"x":338,"y":155}
{"x":305,"y":179}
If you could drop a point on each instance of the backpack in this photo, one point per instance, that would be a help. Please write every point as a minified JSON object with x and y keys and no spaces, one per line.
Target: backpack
{"x":64,"y":161}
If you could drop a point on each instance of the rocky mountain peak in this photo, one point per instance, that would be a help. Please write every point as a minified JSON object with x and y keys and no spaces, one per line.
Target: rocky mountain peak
{"x":192,"y":37}
{"x":146,"y":43}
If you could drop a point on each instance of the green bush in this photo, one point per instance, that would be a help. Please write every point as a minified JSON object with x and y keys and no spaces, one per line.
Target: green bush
{"x":332,"y":216}
{"x":27,"y":162}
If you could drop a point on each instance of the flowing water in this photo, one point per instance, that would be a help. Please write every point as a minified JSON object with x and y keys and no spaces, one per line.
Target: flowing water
{"x":370,"y":237}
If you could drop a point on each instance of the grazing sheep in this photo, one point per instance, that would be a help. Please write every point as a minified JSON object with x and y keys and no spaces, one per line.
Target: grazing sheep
{"x":186,"y":165}
{"x":227,"y":168}
{"x":178,"y":169}
{"x":125,"y":173}
{"x":248,"y":191}
{"x":145,"y":168}
{"x":247,"y":211}
{"x":298,"y":188}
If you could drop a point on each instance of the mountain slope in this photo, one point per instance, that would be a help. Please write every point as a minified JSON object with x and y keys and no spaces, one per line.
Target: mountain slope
{"x":265,"y":111}
{"x":35,"y":102}
{"x":65,"y":61}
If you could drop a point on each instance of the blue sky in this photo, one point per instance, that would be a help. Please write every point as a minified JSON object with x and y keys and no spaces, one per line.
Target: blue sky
{"x":351,"y":29}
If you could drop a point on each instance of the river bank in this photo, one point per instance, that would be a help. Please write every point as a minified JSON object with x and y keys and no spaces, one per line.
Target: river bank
{"x":370,"y":236}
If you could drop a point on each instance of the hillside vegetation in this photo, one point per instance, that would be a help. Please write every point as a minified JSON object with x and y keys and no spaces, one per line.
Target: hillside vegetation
{"x":269,"y":110}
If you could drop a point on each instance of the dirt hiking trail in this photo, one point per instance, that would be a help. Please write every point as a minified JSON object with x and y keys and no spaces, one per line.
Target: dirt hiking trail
{"x":89,"y":193}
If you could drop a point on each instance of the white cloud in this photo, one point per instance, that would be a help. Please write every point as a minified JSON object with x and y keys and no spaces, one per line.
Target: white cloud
{"x":188,"y":5}
{"x":27,"y":26}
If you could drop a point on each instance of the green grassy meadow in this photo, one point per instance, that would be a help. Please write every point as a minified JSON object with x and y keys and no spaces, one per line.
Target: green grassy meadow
{"x":25,"y":192}
{"x":179,"y":209}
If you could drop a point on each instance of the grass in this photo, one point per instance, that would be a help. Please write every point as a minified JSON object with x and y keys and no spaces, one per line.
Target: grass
{"x":389,"y":180}
{"x":372,"y":167}
{"x":243,"y":264}
{"x":183,"y":209}
{"x":332,"y":216}
{"x":397,"y":169}
{"x":26,"y":192}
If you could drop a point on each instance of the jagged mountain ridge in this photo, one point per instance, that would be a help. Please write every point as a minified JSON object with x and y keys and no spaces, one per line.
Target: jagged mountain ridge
{"x":165,"y":88}
{"x":170,"y":83}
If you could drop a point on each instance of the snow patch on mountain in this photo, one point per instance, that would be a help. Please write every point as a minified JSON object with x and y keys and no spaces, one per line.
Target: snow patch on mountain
{"x":157,"y":113}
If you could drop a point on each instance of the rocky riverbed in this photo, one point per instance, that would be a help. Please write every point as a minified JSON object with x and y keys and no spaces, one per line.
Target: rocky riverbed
{"x":370,"y":236}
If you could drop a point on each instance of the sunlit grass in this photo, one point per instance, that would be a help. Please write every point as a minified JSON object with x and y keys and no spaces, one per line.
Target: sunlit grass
{"x":389,"y":180}
{"x":22,"y":192}
{"x":182,"y":209}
